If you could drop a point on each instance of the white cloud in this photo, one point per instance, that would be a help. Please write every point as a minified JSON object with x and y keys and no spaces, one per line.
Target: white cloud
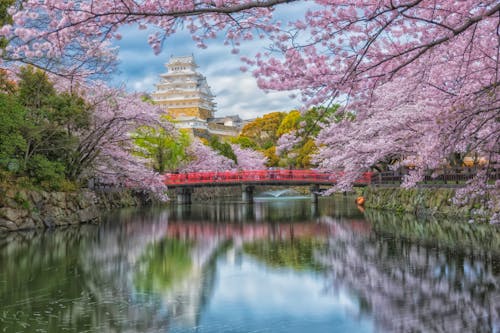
{"x":236,"y":92}
{"x":239,"y":94}
{"x":144,"y":84}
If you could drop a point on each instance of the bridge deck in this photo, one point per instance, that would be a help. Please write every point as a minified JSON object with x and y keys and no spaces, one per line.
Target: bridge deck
{"x":258,"y":177}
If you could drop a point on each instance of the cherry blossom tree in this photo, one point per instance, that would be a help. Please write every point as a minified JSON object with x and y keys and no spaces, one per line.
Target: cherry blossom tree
{"x":393,"y":129}
{"x":249,"y":159}
{"x":204,"y":158}
{"x":105,"y":148}
{"x":72,"y":38}
{"x":406,"y":125}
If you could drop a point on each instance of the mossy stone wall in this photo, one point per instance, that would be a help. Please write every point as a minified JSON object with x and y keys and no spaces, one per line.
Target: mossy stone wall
{"x":419,"y":201}
{"x":29,"y":209}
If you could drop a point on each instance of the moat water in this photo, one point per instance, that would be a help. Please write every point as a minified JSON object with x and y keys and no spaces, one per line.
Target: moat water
{"x":279,"y":265}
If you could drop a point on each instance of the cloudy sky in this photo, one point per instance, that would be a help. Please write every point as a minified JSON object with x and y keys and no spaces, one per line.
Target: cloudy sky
{"x":236,"y":92}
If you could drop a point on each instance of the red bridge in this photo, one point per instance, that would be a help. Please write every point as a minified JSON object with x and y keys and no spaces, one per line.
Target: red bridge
{"x":258,"y":177}
{"x":185,"y":182}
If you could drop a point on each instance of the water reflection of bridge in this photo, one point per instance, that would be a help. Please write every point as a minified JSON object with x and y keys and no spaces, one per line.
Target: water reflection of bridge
{"x":245,"y":232}
{"x":264,"y":211}
{"x":250,"y":232}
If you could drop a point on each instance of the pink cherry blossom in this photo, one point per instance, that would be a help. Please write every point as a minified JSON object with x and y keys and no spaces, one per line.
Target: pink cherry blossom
{"x":249,"y":159}
{"x":105,"y":148}
{"x":204,"y":158}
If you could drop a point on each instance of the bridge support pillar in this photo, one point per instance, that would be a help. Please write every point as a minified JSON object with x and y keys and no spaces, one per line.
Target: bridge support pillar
{"x":247,"y":193}
{"x":314,"y":210}
{"x":184,"y":195}
{"x":314,"y":193}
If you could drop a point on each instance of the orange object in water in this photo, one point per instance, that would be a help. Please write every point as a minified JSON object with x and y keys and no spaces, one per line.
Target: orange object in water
{"x":360,"y":201}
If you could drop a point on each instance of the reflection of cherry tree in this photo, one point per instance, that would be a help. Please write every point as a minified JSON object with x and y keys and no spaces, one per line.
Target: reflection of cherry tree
{"x":89,"y":268}
{"x":411,"y":288}
{"x":108,"y":263}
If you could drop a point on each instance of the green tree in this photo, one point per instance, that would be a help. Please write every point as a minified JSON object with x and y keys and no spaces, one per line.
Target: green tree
{"x":244,"y":142}
{"x":306,"y":126}
{"x":305,"y":153}
{"x":316,"y":116}
{"x":52,"y":122}
{"x":5,"y":18}
{"x":222,"y":148}
{"x":35,"y":90}
{"x":12,"y":142}
{"x":272,"y":159}
{"x":165,"y":151}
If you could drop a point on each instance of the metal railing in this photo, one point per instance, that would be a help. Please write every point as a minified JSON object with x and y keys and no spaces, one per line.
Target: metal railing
{"x":452,"y":177}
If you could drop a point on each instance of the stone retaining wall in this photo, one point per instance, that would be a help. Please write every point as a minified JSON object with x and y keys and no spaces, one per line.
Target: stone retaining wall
{"x":422,"y":201}
{"x":28,"y":209}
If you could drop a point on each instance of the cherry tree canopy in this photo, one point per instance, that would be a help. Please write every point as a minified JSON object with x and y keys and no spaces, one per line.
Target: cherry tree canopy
{"x":406,"y":125}
{"x":249,"y":159}
{"x":204,"y":158}
{"x":105,"y":148}
{"x":336,"y":47}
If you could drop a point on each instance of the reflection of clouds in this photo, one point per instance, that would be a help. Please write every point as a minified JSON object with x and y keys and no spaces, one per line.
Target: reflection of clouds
{"x":411,"y":288}
{"x":267,"y":291}
{"x":254,"y":298}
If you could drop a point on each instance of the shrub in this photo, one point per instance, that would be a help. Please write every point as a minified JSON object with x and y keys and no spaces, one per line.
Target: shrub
{"x":49,"y":174}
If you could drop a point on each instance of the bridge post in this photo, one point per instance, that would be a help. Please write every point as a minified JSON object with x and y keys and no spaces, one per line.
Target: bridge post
{"x":247,"y":193}
{"x":184,"y":195}
{"x":314,"y":193}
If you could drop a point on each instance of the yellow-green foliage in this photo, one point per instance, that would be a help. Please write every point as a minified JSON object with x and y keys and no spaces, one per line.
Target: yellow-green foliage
{"x":165,"y":151}
{"x":290,"y":122}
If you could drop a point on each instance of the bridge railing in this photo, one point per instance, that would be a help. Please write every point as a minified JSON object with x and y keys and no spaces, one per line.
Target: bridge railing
{"x":312,"y":176}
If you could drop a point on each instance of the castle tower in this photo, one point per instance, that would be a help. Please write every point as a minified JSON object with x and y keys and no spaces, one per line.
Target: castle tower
{"x":183,"y":92}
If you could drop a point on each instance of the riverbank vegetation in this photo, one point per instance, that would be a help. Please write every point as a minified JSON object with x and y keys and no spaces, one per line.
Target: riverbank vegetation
{"x":57,"y":137}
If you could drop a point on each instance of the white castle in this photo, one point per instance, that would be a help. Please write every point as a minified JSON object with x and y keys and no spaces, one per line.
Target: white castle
{"x":185,"y":95}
